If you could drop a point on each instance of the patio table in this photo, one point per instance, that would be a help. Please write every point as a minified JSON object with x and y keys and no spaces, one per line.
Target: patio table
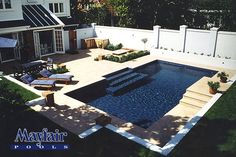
{"x":34,"y":66}
{"x":34,"y":63}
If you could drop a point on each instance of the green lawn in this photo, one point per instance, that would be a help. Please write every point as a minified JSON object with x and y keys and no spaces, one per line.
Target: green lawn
{"x":14,"y":93}
{"x":213,"y":136}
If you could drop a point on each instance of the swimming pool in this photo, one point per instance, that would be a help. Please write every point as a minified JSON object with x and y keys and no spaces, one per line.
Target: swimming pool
{"x":157,"y":89}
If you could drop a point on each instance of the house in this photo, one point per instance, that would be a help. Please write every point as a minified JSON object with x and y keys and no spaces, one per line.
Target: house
{"x":37,"y":25}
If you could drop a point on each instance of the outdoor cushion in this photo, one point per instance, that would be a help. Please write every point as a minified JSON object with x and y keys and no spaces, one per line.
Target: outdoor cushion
{"x":43,"y":82}
{"x":61,"y":77}
{"x":45,"y":73}
{"x":48,"y":74}
{"x":27,"y":79}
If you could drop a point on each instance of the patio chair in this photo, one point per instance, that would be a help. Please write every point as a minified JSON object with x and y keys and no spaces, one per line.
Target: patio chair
{"x":50,"y":63}
{"x":28,"y":79}
{"x":58,"y":77}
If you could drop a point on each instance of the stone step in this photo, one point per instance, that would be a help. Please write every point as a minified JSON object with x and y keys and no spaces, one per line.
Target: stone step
{"x":123,"y":79}
{"x":121,"y":74}
{"x":113,"y":90}
{"x":192,"y":102}
{"x":190,"y":106}
{"x":205,"y":93}
{"x":197,"y":96}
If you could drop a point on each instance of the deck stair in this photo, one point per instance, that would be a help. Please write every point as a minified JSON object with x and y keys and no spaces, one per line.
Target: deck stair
{"x":123,"y":79}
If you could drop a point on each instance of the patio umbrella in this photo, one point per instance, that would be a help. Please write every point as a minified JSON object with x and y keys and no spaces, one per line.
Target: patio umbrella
{"x":7,"y":43}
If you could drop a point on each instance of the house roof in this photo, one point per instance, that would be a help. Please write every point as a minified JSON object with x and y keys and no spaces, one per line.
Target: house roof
{"x":70,"y":23}
{"x":68,"y":20}
{"x":38,"y":16}
{"x":14,"y":23}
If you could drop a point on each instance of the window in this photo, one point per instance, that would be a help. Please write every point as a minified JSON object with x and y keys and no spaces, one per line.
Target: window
{"x":51,"y":7}
{"x":56,"y":10}
{"x":5,"y":4}
{"x":61,"y":7}
{"x":59,"y":41}
{"x":56,"y":7}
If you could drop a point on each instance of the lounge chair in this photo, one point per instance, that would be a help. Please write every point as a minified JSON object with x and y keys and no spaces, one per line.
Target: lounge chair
{"x":58,"y":77}
{"x":28,"y":79}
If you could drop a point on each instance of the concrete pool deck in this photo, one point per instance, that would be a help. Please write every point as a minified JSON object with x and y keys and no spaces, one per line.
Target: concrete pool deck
{"x":77,"y":117}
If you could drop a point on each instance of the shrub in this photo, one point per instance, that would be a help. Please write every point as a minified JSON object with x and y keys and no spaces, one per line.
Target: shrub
{"x":59,"y":70}
{"x":112,"y":58}
{"x":112,"y":47}
{"x":214,"y":85}
{"x":130,"y":56}
{"x":223,"y":76}
{"x":126,"y":57}
{"x":123,"y":58}
{"x":119,"y":46}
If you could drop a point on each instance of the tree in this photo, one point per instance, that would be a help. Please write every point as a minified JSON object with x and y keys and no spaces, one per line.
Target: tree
{"x":169,"y":14}
{"x":97,"y":13}
{"x":221,"y":13}
{"x":78,"y":11}
{"x":87,"y":11}
{"x":121,"y":9}
{"x":146,"y":13}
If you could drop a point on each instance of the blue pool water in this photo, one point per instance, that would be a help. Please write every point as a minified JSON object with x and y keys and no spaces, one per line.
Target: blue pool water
{"x":149,"y":100}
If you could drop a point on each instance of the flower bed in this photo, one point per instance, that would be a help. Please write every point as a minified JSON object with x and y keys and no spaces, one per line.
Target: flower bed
{"x":126,"y":57}
{"x":59,"y":70}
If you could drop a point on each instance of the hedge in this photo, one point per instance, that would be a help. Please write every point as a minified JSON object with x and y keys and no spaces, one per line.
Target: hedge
{"x":126,"y":57}
{"x":112,"y":47}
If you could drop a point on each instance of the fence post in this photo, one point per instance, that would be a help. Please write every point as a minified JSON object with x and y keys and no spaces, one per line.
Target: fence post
{"x":213,"y":40}
{"x":183,"y":33}
{"x":156,"y":36}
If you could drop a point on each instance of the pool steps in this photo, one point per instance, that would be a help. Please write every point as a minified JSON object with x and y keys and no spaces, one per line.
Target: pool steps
{"x":122,"y":80}
{"x":113,"y":90}
{"x":195,"y":99}
{"x":197,"y":96}
{"x":116,"y":76}
{"x":192,"y":102}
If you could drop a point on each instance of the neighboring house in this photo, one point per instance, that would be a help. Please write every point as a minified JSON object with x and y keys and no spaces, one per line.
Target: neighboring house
{"x":37,"y":25}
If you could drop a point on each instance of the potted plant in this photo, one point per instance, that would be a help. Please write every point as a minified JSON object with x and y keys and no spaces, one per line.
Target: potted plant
{"x":213,"y":86}
{"x":223,"y":77}
{"x":144,"y":40}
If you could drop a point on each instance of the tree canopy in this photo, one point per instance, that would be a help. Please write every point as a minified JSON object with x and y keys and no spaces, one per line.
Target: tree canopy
{"x":166,"y":13}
